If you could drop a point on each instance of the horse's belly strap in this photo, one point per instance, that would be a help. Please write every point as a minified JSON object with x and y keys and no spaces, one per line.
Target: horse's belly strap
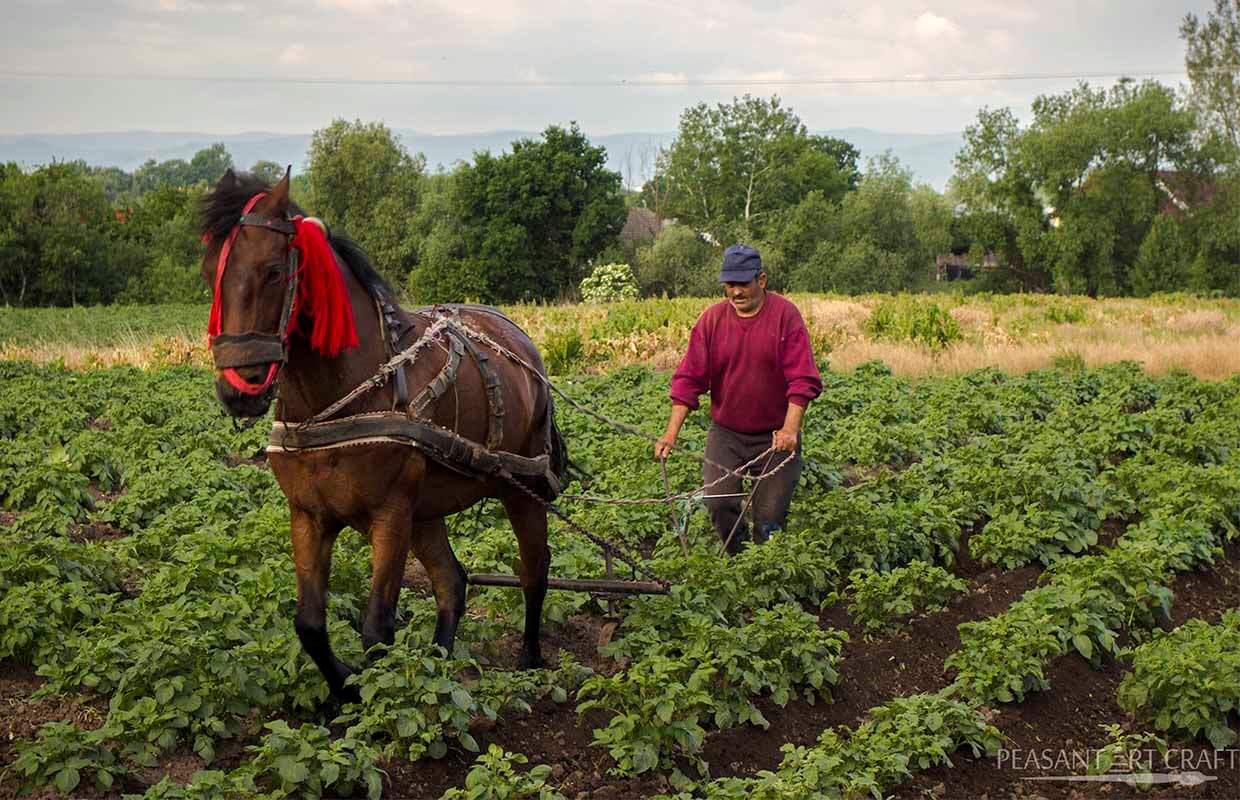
{"x":444,"y":446}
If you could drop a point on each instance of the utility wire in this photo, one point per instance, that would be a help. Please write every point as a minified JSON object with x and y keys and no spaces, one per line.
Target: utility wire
{"x":619,"y":83}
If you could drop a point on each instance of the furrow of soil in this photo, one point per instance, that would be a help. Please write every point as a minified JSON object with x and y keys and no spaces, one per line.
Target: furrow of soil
{"x":21,"y":717}
{"x":871,"y":673}
{"x":1062,"y":725}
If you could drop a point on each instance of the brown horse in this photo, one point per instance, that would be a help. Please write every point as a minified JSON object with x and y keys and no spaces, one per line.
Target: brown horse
{"x":306,"y":333}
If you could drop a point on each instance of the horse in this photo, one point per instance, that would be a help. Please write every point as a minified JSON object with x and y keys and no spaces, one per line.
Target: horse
{"x":301,"y":317}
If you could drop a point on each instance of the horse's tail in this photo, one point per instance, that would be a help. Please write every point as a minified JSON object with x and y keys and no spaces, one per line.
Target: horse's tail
{"x":563,"y":469}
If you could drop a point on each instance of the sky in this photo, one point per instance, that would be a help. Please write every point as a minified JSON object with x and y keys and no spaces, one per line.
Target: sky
{"x":459,"y":66}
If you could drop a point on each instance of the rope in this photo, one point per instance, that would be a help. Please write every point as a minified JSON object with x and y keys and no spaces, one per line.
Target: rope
{"x":672,"y":498}
{"x":618,"y":425}
{"x":619,"y":550}
{"x":671,"y":510}
{"x":745,"y":506}
{"x":385,"y":372}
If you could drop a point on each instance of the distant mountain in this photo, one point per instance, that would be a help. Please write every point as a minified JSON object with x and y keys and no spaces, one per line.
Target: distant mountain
{"x":630,"y":154}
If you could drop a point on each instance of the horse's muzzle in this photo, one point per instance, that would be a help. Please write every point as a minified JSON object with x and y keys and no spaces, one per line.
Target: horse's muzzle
{"x":243,"y":401}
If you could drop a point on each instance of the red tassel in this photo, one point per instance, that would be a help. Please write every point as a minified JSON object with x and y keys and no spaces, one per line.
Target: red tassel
{"x":322,"y":293}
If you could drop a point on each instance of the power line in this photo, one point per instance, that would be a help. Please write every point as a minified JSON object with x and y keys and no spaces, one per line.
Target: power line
{"x":619,"y":83}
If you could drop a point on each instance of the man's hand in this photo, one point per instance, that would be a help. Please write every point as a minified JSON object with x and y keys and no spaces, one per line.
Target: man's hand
{"x":663,"y":447}
{"x":785,"y":439}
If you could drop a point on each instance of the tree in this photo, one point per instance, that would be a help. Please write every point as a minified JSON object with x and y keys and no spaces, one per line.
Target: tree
{"x":1067,"y":202}
{"x":152,"y":174}
{"x":932,"y":223}
{"x":1216,"y":231}
{"x":1212,"y":59}
{"x":678,"y":264}
{"x":362,"y":181}
{"x":161,"y":228}
{"x":524,"y":225}
{"x":118,"y":185}
{"x":18,"y":251}
{"x":1163,"y":260}
{"x":267,"y":171}
{"x":746,"y":161}
{"x":209,"y":163}
{"x":58,"y":241}
{"x":872,"y":242}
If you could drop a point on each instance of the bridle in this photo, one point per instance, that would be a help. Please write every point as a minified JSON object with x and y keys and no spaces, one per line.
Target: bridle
{"x":252,"y":348}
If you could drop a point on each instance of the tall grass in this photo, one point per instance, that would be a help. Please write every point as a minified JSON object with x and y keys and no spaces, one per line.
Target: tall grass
{"x":915,"y":335}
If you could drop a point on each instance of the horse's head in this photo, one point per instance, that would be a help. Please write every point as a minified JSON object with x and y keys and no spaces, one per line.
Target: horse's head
{"x":268,"y":265}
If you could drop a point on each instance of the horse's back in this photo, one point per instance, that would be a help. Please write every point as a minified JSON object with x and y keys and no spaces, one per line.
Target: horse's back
{"x":491,"y":321}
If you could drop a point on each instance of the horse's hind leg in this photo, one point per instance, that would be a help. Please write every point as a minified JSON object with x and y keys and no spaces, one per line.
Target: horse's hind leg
{"x":312,"y":558}
{"x":389,"y":549}
{"x":430,"y":544}
{"x":529,"y":521}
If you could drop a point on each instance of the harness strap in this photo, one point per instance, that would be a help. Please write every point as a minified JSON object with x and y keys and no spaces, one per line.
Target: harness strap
{"x":495,"y":394}
{"x":445,"y":447}
{"x":439,"y":385}
{"x":387,"y":333}
{"x":278,"y":224}
{"x":246,"y":349}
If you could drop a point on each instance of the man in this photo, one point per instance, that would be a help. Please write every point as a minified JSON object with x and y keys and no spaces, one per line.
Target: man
{"x":751,"y":352}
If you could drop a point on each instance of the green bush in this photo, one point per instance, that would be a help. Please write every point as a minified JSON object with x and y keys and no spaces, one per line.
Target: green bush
{"x":678,"y":264}
{"x":908,"y":320}
{"x":1189,"y":680}
{"x":608,"y":283}
{"x":879,"y":599}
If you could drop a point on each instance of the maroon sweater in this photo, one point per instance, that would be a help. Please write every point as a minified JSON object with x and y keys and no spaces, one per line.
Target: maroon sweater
{"x":753,"y":367}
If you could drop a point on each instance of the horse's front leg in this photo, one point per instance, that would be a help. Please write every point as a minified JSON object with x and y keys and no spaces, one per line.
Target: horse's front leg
{"x":389,"y":548}
{"x":313,"y":538}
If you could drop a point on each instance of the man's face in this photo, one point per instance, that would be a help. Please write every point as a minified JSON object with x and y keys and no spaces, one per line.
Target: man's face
{"x":746,"y":298}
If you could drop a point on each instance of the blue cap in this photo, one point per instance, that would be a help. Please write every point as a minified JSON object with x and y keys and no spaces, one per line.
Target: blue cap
{"x":741,"y":264}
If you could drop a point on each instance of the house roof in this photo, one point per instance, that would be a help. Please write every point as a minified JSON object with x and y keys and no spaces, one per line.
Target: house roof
{"x":642,"y":225}
{"x":1182,"y":192}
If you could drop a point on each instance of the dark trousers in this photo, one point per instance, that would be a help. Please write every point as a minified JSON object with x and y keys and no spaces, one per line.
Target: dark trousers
{"x":770,"y":502}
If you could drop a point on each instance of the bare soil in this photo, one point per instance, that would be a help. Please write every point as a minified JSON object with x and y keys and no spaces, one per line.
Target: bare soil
{"x":1067,"y":716}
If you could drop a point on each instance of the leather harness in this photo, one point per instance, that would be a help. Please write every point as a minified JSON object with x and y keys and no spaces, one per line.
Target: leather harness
{"x":409,"y":426}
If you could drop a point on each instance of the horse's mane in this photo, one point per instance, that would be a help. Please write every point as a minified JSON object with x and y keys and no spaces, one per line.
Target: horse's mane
{"x":222,"y":205}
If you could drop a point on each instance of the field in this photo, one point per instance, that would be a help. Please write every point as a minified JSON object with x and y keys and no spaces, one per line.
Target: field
{"x":990,"y":574}
{"x":916,"y":335}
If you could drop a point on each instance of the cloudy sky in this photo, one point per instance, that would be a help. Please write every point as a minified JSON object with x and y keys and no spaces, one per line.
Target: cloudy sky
{"x":456,"y":66}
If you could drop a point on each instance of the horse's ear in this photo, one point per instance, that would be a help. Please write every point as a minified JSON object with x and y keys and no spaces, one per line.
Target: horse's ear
{"x":228,"y":180}
{"x":279,"y":193}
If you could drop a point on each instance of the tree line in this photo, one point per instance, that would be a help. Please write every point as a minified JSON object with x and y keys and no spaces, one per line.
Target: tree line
{"x":1133,"y":189}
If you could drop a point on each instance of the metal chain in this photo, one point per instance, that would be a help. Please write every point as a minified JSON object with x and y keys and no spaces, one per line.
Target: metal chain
{"x":620,"y":551}
{"x":672,"y":498}
{"x":385,"y":372}
{"x":618,"y":425}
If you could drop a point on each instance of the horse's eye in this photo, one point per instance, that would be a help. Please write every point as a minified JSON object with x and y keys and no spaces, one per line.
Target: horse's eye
{"x":274,"y":274}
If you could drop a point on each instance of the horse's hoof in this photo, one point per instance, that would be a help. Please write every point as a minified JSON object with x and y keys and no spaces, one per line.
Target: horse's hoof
{"x":530,"y":661}
{"x":348,"y":694}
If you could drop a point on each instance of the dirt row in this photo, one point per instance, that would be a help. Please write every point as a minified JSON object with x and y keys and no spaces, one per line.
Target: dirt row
{"x":1068,"y":719}
{"x":871,"y":672}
